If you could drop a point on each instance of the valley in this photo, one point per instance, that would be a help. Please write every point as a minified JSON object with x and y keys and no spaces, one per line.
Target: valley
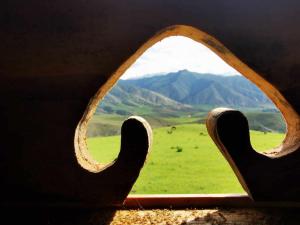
{"x":183,"y":158}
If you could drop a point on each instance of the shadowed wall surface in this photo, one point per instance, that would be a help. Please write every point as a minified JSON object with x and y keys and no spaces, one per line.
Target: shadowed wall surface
{"x":56,"y":55}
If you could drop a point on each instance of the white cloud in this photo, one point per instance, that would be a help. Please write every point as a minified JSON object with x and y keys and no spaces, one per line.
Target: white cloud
{"x":178,"y":53}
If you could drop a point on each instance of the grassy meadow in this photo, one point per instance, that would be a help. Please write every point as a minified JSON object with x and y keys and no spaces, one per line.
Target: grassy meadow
{"x":184,"y":160}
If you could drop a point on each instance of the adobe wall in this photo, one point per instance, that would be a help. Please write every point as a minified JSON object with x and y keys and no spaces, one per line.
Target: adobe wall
{"x":56,"y":55}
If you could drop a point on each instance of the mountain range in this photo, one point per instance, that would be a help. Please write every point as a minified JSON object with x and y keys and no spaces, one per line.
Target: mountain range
{"x":197,"y":89}
{"x":182,"y":91}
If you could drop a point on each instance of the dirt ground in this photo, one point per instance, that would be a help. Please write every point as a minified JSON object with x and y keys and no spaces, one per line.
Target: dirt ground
{"x":195,"y":217}
{"x":217,"y":216}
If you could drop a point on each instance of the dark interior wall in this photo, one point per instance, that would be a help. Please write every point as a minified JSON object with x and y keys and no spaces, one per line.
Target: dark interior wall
{"x":55,"y":55}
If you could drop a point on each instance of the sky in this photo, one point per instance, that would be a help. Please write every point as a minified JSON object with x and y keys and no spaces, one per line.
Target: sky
{"x":177,"y":53}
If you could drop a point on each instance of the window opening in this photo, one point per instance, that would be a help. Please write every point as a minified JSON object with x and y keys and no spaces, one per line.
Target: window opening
{"x":173,"y":85}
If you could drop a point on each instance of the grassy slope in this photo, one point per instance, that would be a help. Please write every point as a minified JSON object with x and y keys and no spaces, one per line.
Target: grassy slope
{"x":199,"y":168}
{"x":109,"y":124}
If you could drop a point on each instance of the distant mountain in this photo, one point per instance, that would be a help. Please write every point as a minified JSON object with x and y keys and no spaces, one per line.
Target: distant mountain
{"x":186,"y":95}
{"x":126,"y":98}
{"x":182,"y":91}
{"x":197,"y":89}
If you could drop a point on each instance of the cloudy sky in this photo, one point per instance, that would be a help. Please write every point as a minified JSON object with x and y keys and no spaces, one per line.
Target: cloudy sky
{"x":177,"y":53}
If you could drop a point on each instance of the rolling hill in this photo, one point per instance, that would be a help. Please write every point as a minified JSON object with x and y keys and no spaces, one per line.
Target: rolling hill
{"x":125,"y":99}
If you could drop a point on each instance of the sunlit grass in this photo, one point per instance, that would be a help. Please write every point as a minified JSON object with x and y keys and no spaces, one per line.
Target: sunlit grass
{"x":197,"y":168}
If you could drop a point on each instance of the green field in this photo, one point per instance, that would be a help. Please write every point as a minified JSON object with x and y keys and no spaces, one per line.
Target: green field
{"x":185,"y":161}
